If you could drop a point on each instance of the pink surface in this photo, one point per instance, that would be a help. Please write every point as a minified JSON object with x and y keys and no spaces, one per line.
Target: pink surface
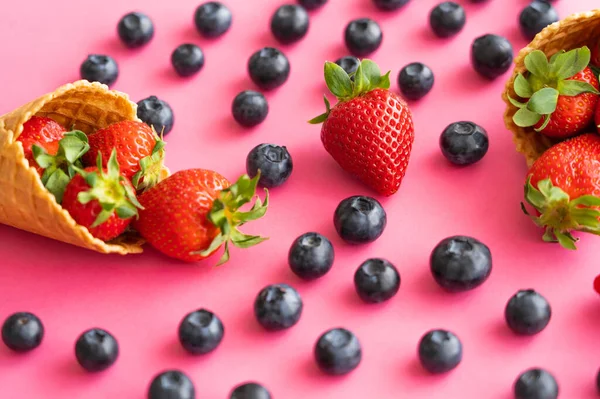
{"x":141,"y":299}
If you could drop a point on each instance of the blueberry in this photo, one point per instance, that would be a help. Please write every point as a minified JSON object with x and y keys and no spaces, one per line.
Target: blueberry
{"x":156,"y":113}
{"x":447,"y":19}
{"x":312,"y":4}
{"x":187,"y":59}
{"x":99,"y":68}
{"x":363,"y":36}
{"x":390,"y":5}
{"x":289,"y":23}
{"x":376,"y":280}
{"x":464,"y":143}
{"x":527,"y":312}
{"x":338,"y":351}
{"x":359,"y":219}
{"x":268,"y":68}
{"x":349,"y":64}
{"x":460,"y":263}
{"x":273,"y":161}
{"x":135,"y":29}
{"x":535,"y":17}
{"x":491,"y":55}
{"x":171,"y":384}
{"x":278,"y":307}
{"x":440,"y":351}
{"x":250,"y":108}
{"x":212,"y":19}
{"x":22,"y":332}
{"x":200,"y":332}
{"x":536,"y":383}
{"x":96,"y":350}
{"x":415,"y":80}
{"x":250,"y":390}
{"x":311,"y":256}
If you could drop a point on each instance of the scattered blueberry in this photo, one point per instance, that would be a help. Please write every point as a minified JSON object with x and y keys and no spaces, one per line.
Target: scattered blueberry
{"x":22,"y":332}
{"x":187,"y":59}
{"x":289,"y":23}
{"x":390,"y":5}
{"x":250,"y":108}
{"x":464,"y":143}
{"x":135,"y":29}
{"x":311,"y":256}
{"x":268,"y":68}
{"x":460,"y":263}
{"x":359,"y":219}
{"x":99,"y":68}
{"x":312,"y":4}
{"x":349,"y":64}
{"x":440,"y":351}
{"x":491,"y":55}
{"x":278,"y":307}
{"x":415,"y":80}
{"x":250,"y":390}
{"x":535,"y":17}
{"x":536,"y":384}
{"x":338,"y":351}
{"x":376,"y":280}
{"x":212,"y":19}
{"x":527,"y":312}
{"x":363,"y":36}
{"x":273,"y":161}
{"x":171,"y":384}
{"x":201,"y":332}
{"x":447,"y":19}
{"x":96,"y":350}
{"x":156,"y":113}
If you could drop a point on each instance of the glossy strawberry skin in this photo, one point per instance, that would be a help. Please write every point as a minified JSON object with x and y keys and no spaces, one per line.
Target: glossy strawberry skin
{"x":43,"y":132}
{"x":174,"y":216}
{"x":371,"y":137}
{"x":597,"y":118}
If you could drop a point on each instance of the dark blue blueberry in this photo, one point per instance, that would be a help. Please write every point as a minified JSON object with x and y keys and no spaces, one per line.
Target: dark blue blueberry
{"x":460,"y":263}
{"x":250,"y":108}
{"x":491,"y":55}
{"x":278,"y":307}
{"x":99,"y":68}
{"x":250,"y":390}
{"x":536,"y":383}
{"x":311,"y":256}
{"x":440,"y":351}
{"x":156,"y":113}
{"x":171,"y":384}
{"x":464,"y":143}
{"x":390,"y":5}
{"x":527,"y":312}
{"x":312,"y":4}
{"x":273,"y":161}
{"x":376,"y":280}
{"x":22,"y":332}
{"x":187,"y":59}
{"x":349,"y":64}
{"x":338,"y":351}
{"x":268,"y":68}
{"x":289,"y":23}
{"x":535,"y":17}
{"x":447,"y":19}
{"x":415,"y":80}
{"x":359,"y":219}
{"x":135,"y":29}
{"x":96,"y":350}
{"x":212,"y":19}
{"x":201,"y":332}
{"x":363,"y":36}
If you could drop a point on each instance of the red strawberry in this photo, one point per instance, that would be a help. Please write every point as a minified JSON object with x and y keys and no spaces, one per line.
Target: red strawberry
{"x":41,"y":131}
{"x":192,"y":213}
{"x":369,"y":132}
{"x":563,"y":186}
{"x":562,"y":93}
{"x":102,"y":200}
{"x":597,"y":118}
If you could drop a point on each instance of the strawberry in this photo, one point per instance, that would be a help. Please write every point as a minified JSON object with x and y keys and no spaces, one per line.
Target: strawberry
{"x":101,"y":199}
{"x":563,"y":186}
{"x":561,"y":93}
{"x":139,"y":151}
{"x":41,"y":131}
{"x":192,"y":213}
{"x":369,"y":132}
{"x":597,"y":118}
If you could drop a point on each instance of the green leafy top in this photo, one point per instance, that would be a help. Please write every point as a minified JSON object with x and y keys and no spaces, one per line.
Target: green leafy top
{"x":546,"y":80}
{"x":150,"y":167}
{"x":366,"y":78}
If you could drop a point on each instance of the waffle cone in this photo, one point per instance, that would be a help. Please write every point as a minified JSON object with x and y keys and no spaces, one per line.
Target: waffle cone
{"x":24,"y":201}
{"x":575,"y":31}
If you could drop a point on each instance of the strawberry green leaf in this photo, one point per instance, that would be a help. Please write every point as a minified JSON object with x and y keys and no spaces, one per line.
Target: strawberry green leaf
{"x":361,"y":81}
{"x":575,"y":87}
{"x":537,"y":63}
{"x":566,"y":240}
{"x":586,"y":200}
{"x":73,"y":146}
{"x":337,"y":80}
{"x":543,"y":126}
{"x":522,"y":87}
{"x":102,"y":217}
{"x":57,"y":183}
{"x":526,"y":118}
{"x":516,"y":103}
{"x":533,"y":196}
{"x":543,"y":101}
{"x":556,"y":55}
{"x":570,"y":63}
{"x":321,"y":118}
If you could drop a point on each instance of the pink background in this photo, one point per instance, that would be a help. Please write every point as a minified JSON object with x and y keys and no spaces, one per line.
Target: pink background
{"x":141,"y":299}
